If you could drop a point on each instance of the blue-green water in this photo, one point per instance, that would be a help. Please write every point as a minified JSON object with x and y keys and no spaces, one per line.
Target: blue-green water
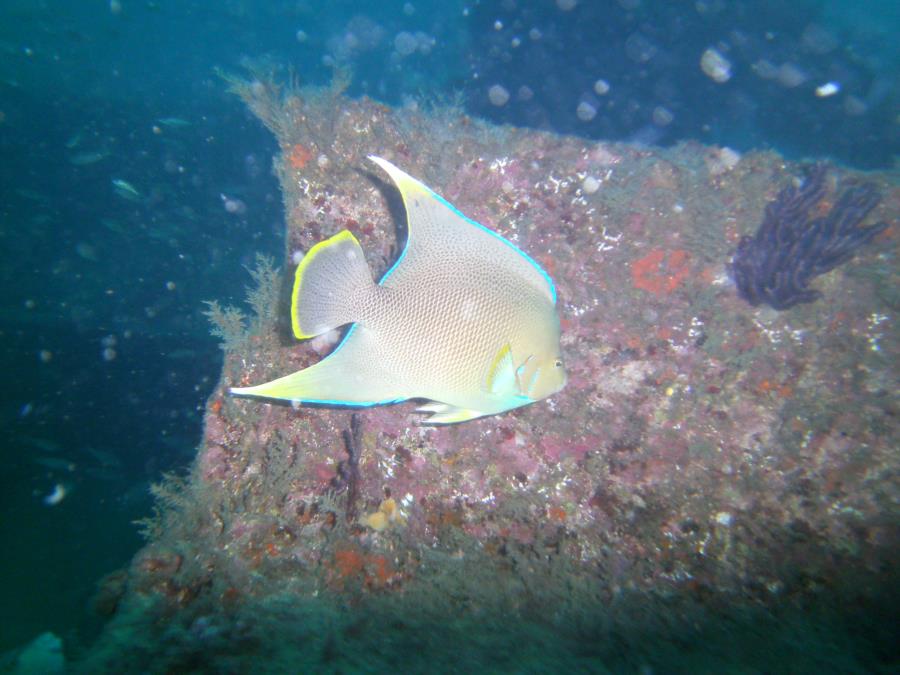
{"x":134,"y":188}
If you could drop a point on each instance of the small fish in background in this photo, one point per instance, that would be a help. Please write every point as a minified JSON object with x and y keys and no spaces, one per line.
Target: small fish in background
{"x":463,"y":318}
{"x":56,"y":463}
{"x":44,"y":444}
{"x":89,"y":157}
{"x":173,"y":122}
{"x":126,"y":190}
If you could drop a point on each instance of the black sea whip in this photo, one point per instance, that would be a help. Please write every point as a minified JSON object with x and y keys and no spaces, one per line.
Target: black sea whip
{"x":791,"y":247}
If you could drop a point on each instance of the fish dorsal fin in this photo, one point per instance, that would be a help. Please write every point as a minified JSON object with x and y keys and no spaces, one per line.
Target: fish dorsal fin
{"x":437,"y":228}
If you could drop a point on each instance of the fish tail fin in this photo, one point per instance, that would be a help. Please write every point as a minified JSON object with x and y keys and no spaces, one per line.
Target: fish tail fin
{"x":330,"y":282}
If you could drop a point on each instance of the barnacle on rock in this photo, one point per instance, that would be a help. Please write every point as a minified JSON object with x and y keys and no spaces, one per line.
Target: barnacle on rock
{"x":795,"y":243}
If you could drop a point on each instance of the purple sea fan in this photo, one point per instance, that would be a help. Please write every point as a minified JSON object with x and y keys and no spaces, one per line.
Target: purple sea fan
{"x":793,"y":246}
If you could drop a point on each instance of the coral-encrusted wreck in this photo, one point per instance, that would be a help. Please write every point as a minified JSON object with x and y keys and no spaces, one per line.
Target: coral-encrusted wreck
{"x":708,"y":468}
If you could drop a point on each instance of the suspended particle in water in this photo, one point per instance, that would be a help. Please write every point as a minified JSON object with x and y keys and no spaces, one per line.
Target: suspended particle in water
{"x":818,"y":40}
{"x":590,"y":185}
{"x":302,"y":36}
{"x":86,"y":251}
{"x":790,"y":75}
{"x":566,"y":5}
{"x":425,"y":42}
{"x":765,"y":69}
{"x":233,"y":205}
{"x":601,"y":87}
{"x":498,"y":95}
{"x":525,"y":93}
{"x":45,"y":356}
{"x":535,"y":34}
{"x":855,"y":106}
{"x":585,"y":111}
{"x":828,"y":89}
{"x":639,"y":48}
{"x":56,"y":496}
{"x":405,"y":43}
{"x":662,"y":117}
{"x":715,"y":66}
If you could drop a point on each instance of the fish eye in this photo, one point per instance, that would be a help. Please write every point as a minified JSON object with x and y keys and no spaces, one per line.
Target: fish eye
{"x":558,"y":363}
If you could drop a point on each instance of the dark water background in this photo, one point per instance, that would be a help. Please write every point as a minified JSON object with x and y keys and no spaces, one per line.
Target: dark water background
{"x":106,"y":356}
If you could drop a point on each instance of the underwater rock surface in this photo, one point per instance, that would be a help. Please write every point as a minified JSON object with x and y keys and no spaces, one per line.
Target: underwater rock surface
{"x":708,"y":469}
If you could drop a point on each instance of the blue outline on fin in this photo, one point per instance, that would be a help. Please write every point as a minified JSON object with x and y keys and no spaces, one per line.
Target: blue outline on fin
{"x":348,"y":404}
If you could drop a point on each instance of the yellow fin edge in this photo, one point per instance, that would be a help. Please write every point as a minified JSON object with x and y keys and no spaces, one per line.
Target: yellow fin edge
{"x":406,"y":184}
{"x":301,"y":270}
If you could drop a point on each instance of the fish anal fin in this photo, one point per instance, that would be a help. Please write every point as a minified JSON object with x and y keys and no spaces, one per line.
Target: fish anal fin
{"x":350,"y":376}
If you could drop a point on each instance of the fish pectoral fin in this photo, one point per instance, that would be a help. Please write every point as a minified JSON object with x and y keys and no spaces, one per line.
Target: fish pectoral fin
{"x":444,"y":413}
{"x":502,"y":377}
{"x":331,"y":279}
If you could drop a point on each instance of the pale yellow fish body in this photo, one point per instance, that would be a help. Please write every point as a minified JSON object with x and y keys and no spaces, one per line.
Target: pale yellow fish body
{"x":463,"y":319}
